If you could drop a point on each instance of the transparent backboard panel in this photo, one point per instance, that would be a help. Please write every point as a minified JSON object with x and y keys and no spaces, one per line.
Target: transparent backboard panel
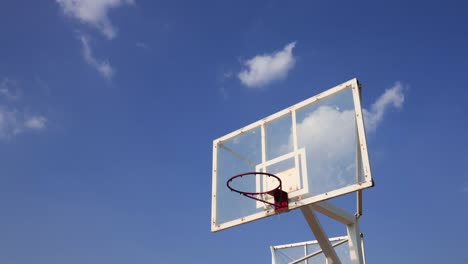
{"x":310,"y":252}
{"x":317,"y":148}
{"x":327,"y":130}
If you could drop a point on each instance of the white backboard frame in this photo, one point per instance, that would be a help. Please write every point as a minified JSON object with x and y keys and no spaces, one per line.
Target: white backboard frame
{"x":297,"y":203}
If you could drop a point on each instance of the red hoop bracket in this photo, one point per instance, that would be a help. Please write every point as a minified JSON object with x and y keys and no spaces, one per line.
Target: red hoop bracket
{"x":280,"y":197}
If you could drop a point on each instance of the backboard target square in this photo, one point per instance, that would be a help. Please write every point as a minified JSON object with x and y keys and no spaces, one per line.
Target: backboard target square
{"x":290,"y":179}
{"x":290,"y":169}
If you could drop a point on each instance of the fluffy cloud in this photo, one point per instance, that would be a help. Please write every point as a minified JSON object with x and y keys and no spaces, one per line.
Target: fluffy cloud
{"x":328,"y":128}
{"x":103,"y":67}
{"x":264,"y":69}
{"x":9,"y":124}
{"x":392,"y":97}
{"x":94,"y":13}
{"x":14,"y":122}
{"x":35,"y":122}
{"x":8,"y":89}
{"x":329,"y":134}
{"x":142,"y":45}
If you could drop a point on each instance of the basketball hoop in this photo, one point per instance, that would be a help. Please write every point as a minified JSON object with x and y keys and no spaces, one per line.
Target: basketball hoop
{"x":280,"y":197}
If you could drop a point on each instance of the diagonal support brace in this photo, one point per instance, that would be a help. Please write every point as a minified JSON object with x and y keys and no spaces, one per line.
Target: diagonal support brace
{"x":319,"y":233}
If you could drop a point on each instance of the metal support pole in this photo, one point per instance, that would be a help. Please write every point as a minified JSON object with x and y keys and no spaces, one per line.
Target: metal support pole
{"x":319,"y":233}
{"x":355,"y":243}
{"x":362,"y":246}
{"x":334,"y":212}
{"x":273,"y":255}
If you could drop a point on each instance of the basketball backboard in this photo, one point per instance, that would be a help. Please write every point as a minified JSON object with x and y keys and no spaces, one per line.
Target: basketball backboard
{"x":317,"y":148}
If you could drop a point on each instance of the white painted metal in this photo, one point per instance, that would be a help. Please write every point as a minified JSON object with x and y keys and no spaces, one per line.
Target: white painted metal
{"x":305,"y":254}
{"x":306,"y":257}
{"x":362,"y":246}
{"x":306,"y":243}
{"x":335,"y":241}
{"x":301,"y":173}
{"x":355,"y":244}
{"x":299,"y":202}
{"x":358,"y":203}
{"x":358,"y":176}
{"x":292,"y":205}
{"x":268,"y":163}
{"x":331,"y":194}
{"x":273,"y":255}
{"x":334,"y":212}
{"x":320,"y":235}
{"x":334,"y":90}
{"x":354,"y":238}
{"x":214,"y":187}
{"x":263,"y":138}
{"x":317,"y":202}
{"x":361,"y":130}
{"x":281,"y":158}
{"x":264,"y":156}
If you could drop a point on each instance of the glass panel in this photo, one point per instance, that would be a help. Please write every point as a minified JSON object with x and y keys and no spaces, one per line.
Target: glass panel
{"x":278,"y":137}
{"x":327,"y":130}
{"x":237,"y":155}
{"x":324,"y":161}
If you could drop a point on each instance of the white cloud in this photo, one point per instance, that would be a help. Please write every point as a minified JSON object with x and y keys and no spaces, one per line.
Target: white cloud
{"x":103,"y":67}
{"x":224,"y":92}
{"x":8,"y":89}
{"x":330,"y":133}
{"x":264,"y":69}
{"x":14,"y":122}
{"x":94,"y":13}
{"x":328,"y":128}
{"x":9,"y":124}
{"x":142,"y":45}
{"x":227,"y":75}
{"x":35,"y":122}
{"x":392,"y":97}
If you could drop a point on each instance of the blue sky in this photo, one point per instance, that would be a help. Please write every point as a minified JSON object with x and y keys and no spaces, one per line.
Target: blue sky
{"x":108,"y":109}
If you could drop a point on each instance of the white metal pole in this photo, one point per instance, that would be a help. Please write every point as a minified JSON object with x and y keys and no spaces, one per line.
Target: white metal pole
{"x":305,"y":254}
{"x":273,"y":255}
{"x":319,"y":233}
{"x":362,"y":246}
{"x":355,"y":245}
